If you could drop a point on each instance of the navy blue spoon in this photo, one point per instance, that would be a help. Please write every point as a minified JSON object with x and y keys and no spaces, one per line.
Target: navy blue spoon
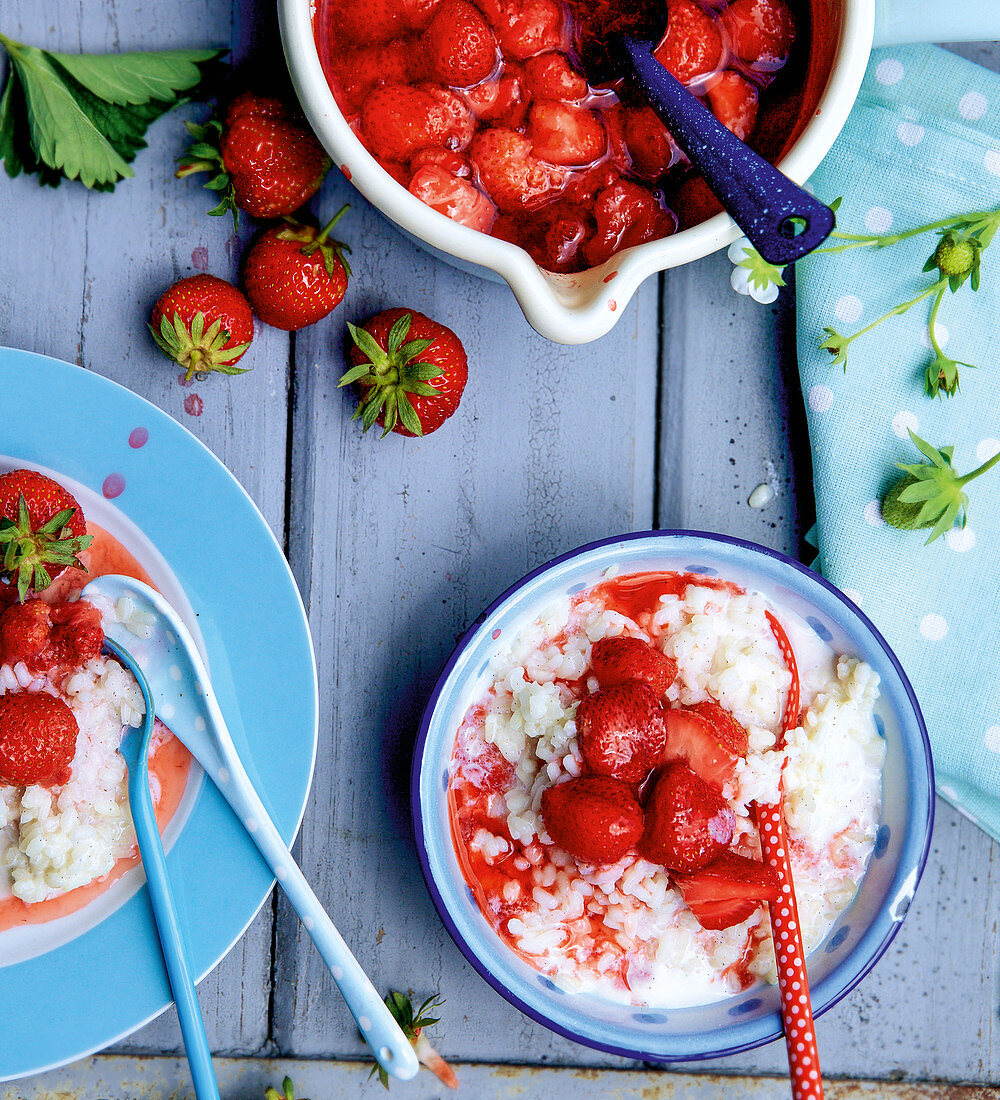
{"x":782,"y":220}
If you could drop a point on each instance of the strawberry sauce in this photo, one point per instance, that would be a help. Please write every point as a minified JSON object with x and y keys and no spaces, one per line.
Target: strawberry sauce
{"x":169,"y":761}
{"x":551,"y":150}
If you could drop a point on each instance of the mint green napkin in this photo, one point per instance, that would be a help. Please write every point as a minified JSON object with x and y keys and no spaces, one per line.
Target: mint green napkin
{"x":922,"y":143}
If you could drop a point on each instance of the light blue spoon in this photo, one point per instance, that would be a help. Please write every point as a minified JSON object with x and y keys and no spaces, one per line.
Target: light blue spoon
{"x":184,"y":700}
{"x":135,"y":750}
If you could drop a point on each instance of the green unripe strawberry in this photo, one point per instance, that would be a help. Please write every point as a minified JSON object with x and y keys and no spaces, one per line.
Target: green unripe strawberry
{"x":899,"y":514}
{"x":954,"y":256}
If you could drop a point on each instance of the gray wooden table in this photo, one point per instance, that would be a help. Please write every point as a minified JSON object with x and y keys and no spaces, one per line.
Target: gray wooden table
{"x":397,"y":545}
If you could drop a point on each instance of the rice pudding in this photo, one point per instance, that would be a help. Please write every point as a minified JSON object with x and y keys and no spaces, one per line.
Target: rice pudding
{"x":653,"y":915}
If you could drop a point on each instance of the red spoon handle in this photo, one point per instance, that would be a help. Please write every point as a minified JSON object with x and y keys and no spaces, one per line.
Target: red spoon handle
{"x":796,"y":1009}
{"x":793,"y":982}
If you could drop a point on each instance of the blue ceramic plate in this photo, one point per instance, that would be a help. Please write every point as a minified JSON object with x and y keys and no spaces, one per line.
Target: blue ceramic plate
{"x":83,"y":982}
{"x":862,"y":932}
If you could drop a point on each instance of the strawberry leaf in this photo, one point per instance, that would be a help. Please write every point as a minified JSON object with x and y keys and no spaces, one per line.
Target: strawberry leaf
{"x":128,"y":79}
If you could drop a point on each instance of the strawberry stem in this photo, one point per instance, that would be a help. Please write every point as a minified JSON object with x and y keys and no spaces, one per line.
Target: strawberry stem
{"x":987,"y":465}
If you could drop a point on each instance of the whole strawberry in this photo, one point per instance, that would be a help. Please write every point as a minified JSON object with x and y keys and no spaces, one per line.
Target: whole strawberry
{"x":203,"y":323}
{"x":37,"y":739}
{"x":263,"y":157}
{"x":688,"y":822}
{"x":295,"y":275}
{"x":42,"y":530}
{"x":595,"y":818}
{"x":620,"y":731}
{"x":411,"y":372}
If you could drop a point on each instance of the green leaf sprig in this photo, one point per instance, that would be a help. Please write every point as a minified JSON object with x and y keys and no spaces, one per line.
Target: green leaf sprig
{"x":414,"y":1024}
{"x":930,"y":494}
{"x":287,"y":1091}
{"x":84,"y":116}
{"x":955,"y":260}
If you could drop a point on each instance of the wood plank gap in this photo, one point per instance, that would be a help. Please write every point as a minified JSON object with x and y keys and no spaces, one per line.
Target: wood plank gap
{"x":658,"y":397}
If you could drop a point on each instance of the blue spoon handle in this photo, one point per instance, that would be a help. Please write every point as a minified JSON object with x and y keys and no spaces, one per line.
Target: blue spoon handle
{"x":168,"y":925}
{"x":760,"y":199}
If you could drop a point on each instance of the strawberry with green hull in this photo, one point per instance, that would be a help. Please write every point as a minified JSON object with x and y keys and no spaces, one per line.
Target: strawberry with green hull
{"x":414,"y":1024}
{"x":295,"y":274}
{"x":204,"y":324}
{"x":410,"y":370}
{"x":42,"y":530}
{"x":263,"y":157}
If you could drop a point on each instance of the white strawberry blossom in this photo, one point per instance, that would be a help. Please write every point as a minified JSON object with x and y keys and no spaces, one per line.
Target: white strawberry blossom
{"x":752,"y":274}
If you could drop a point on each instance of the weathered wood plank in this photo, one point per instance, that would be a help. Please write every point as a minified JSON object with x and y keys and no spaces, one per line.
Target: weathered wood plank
{"x":80,"y":285}
{"x":398,"y":544}
{"x":120,"y":1078}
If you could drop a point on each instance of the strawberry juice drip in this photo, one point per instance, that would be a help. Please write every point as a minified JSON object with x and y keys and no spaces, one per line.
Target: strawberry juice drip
{"x":570,"y":214}
{"x":169,"y":762}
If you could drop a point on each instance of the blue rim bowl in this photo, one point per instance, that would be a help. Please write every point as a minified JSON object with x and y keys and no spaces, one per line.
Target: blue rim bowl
{"x":861,"y":934}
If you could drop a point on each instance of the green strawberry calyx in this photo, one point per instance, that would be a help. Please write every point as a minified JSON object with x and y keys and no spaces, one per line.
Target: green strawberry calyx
{"x":205,"y":155}
{"x":34,"y":557}
{"x":930,"y":494}
{"x":197,"y":349}
{"x":313,"y":240}
{"x":390,"y":375}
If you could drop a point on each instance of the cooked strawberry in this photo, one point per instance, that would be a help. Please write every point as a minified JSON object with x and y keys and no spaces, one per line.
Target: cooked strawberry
{"x":626,"y":215}
{"x":691,"y":46}
{"x":418,"y":13}
{"x":651,"y":149}
{"x":564,"y":234}
{"x":584,"y":187}
{"x":761,"y":32}
{"x":453,"y":163}
{"x":397,"y":120}
{"x":459,"y":46}
{"x":453,"y":119}
{"x":595,"y":819}
{"x":37,"y":739}
{"x":618,"y":660}
{"x":42,"y":530}
{"x":566,"y":135}
{"x":727,"y":890}
{"x":409,"y":369}
{"x":697,"y":741}
{"x":620,"y":731}
{"x":263,"y":157}
{"x":502,"y":102}
{"x":510,"y":174}
{"x":730,"y":732}
{"x":549,"y":76}
{"x":296,"y":274}
{"x":454,"y":197}
{"x":734,"y":102}
{"x":366,"y":69}
{"x":25,"y":631}
{"x":688,"y":822}
{"x":204,"y":324}
{"x":370,"y":21}
{"x":527,"y":27}
{"x":77,"y":635}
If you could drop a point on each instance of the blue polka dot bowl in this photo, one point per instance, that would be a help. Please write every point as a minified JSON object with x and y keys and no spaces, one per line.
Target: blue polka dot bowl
{"x":863,"y":931}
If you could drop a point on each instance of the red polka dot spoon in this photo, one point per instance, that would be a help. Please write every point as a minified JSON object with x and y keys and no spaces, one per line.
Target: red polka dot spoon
{"x":793,"y":981}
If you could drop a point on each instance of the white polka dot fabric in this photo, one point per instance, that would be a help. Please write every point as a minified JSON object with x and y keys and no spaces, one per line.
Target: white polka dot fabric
{"x":922,"y":143}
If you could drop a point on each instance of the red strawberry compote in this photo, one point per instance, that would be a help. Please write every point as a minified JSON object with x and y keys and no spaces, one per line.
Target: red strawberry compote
{"x":506,"y":116}
{"x":678,"y":919}
{"x":64,"y":842}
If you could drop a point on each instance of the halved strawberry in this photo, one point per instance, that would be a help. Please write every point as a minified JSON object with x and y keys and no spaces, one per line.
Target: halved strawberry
{"x":727,"y":890}
{"x":734,"y":102}
{"x":730,"y":732}
{"x":618,"y":660}
{"x":692,"y":46}
{"x":595,"y":818}
{"x":566,"y":135}
{"x":454,"y":197}
{"x":688,"y":822}
{"x":620,"y":731}
{"x":761,"y":32}
{"x":707,"y":747}
{"x":528,"y":27}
